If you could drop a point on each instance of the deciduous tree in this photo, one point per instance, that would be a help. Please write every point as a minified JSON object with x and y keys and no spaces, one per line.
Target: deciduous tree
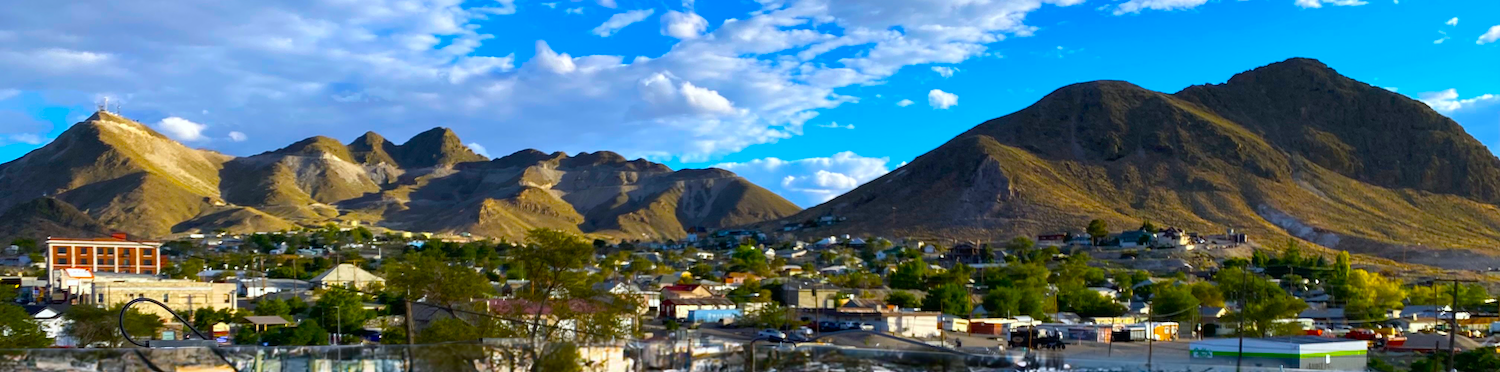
{"x":18,"y":330}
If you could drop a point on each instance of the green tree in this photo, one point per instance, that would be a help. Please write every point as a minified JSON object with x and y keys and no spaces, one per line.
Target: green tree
{"x":205,"y":318}
{"x":272,"y":306}
{"x":772,"y":315}
{"x":343,"y":311}
{"x":746,"y":258}
{"x":306,"y":333}
{"x":18,"y":330}
{"x":902,"y":299}
{"x":1012,"y":301}
{"x":561,"y":292}
{"x":703,"y":271}
{"x":1098,"y":230}
{"x":1148,"y":227}
{"x":1338,"y":278}
{"x":1019,"y":245}
{"x":186,"y":269}
{"x":92,"y":325}
{"x":1207,"y":293}
{"x":1086,"y":302}
{"x":1371,"y":296}
{"x":1174,"y":301}
{"x":1263,"y":301}
{"x":429,"y":276}
{"x":910,"y":275}
{"x":27,"y":245}
{"x":1470,"y":296}
{"x":950,"y":299}
{"x":560,"y":357}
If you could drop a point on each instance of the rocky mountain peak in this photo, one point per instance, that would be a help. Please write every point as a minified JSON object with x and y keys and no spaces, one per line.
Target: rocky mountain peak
{"x":433,"y":148}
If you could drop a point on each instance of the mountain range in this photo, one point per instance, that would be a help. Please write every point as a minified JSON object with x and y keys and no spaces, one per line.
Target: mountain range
{"x":1291,"y":149}
{"x":111,"y":173}
{"x":1288,"y":149}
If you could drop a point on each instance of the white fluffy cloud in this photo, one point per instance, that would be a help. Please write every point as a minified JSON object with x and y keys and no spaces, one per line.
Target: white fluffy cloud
{"x":1489,"y":36}
{"x":282,"y":71}
{"x":1319,"y":3}
{"x":1452,"y":22}
{"x":904,"y":103}
{"x":478,"y":149}
{"x":1135,"y":6}
{"x":941,"y":100}
{"x":683,"y":25}
{"x":1480,"y":115}
{"x":836,"y":125}
{"x":1447,"y":101}
{"x":181,"y":129}
{"x":808,"y":182}
{"x":26,"y":138}
{"x":620,"y":20}
{"x":237,"y":136}
{"x":944,"y":71}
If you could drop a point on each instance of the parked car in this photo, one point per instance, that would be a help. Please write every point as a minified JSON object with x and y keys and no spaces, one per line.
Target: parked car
{"x":773,"y":335}
{"x":803,"y":331}
{"x":866,"y":327}
{"x":848,"y":325}
{"x":826,"y":326}
{"x":798,"y":337}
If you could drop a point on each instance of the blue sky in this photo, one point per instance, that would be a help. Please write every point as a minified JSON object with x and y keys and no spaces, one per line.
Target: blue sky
{"x":800,"y":96}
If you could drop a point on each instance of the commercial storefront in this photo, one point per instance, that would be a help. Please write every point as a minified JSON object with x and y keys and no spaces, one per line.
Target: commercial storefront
{"x":1305,"y":352}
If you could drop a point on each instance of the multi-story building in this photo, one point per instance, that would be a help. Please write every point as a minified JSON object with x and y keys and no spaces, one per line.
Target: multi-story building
{"x":180,"y":295}
{"x":108,"y":255}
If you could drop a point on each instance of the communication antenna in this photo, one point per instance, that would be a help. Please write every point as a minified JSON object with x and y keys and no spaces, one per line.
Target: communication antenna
{"x":104,"y":106}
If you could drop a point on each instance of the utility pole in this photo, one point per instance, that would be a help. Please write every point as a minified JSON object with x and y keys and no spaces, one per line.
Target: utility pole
{"x":1453,"y":329}
{"x":411,"y":330}
{"x":1150,"y":335}
{"x":1239,"y":357}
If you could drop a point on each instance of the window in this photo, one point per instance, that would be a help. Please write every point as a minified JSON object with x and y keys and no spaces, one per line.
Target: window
{"x":166,"y":297}
{"x":147,"y":262}
{"x":107,"y":261}
{"x":83,"y":261}
{"x":109,"y":250}
{"x":83,"y":250}
{"x":62,"y":250}
{"x":125,"y":262}
{"x":125,"y":251}
{"x":62,"y":261}
{"x":147,"y":251}
{"x":148,"y":271}
{"x":101,"y":298}
{"x":227,"y":298}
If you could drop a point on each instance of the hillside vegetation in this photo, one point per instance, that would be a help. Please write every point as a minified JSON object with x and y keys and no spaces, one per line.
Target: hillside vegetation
{"x":1289,"y":149}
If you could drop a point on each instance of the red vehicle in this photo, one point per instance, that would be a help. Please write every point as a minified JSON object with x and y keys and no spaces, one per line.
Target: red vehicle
{"x":1363,"y":334}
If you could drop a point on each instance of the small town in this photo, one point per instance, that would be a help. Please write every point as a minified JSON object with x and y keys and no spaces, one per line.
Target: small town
{"x":1037,"y":299}
{"x":750,"y":186}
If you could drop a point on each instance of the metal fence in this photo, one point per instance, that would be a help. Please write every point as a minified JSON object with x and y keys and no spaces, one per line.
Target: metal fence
{"x":703,"y":354}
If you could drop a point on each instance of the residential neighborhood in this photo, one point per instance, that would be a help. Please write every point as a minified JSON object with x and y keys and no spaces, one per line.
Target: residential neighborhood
{"x":1012,"y":294}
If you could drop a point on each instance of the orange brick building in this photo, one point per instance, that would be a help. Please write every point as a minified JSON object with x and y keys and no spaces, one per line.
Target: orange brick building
{"x":110,"y":255}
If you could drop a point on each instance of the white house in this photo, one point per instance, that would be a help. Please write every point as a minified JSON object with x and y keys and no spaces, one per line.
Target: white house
{"x":52,"y":322}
